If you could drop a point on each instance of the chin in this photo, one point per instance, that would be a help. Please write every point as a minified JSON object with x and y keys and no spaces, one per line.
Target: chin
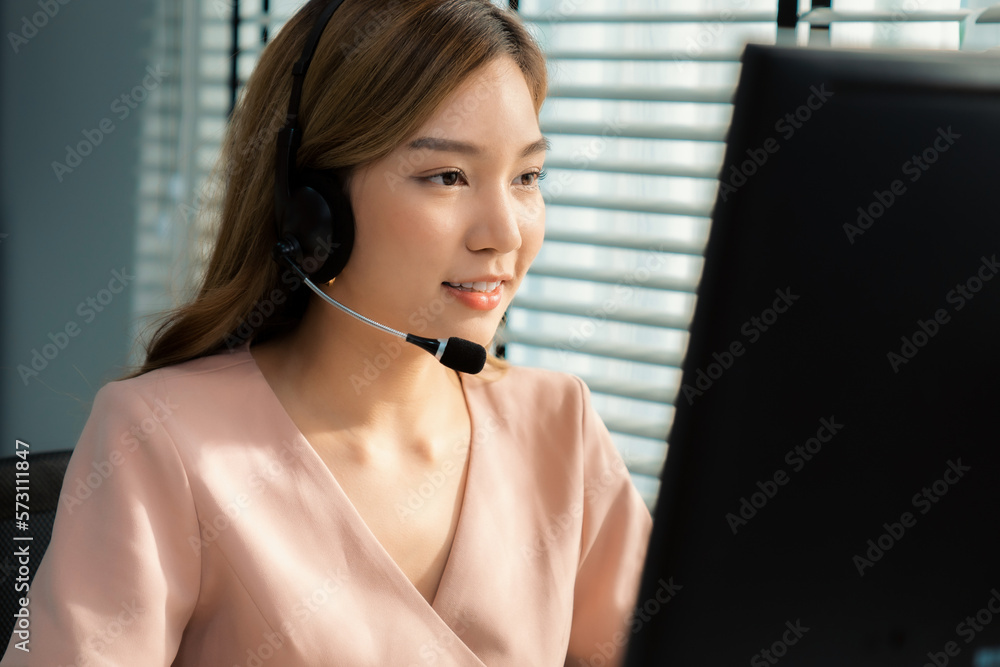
{"x":482,"y":335}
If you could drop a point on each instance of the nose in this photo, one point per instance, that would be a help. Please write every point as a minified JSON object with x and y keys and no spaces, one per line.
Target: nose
{"x":497,"y":222}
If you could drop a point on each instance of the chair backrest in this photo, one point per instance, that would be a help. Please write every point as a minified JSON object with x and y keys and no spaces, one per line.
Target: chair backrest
{"x":44,"y":481}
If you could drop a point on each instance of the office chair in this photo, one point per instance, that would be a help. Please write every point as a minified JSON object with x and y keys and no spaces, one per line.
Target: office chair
{"x":45,"y":479}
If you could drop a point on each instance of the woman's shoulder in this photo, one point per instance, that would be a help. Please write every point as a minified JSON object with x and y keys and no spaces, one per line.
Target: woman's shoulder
{"x":213,"y":363}
{"x":539,"y":390}
{"x":513,"y":378}
{"x":214,"y":375}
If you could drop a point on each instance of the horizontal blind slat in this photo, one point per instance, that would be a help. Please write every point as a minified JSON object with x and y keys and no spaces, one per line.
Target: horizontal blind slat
{"x":630,"y":242}
{"x":645,"y":55}
{"x":633,"y":167}
{"x":657,"y":206}
{"x":626,"y":315}
{"x":614,"y":129}
{"x":635,"y":353}
{"x":723,"y":16}
{"x":611,"y":277}
{"x":634,"y":390}
{"x":824,"y":16}
{"x":706,"y":95}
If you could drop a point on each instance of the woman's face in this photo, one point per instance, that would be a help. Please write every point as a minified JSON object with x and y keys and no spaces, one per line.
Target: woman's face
{"x":448,"y":223}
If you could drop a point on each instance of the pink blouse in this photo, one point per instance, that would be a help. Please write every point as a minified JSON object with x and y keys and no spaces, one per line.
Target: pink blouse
{"x":197,"y":526}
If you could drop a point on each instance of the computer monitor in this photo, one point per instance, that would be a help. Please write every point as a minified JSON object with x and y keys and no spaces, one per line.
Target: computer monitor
{"x":831,"y":493}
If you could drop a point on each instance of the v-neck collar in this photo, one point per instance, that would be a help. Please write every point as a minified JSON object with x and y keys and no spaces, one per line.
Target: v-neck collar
{"x":312,"y":459}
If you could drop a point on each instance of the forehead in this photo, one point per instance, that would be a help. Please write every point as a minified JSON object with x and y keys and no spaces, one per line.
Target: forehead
{"x":492,"y":105}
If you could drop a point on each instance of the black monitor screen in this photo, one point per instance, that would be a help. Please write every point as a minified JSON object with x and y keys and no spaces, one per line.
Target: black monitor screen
{"x":832,"y":486}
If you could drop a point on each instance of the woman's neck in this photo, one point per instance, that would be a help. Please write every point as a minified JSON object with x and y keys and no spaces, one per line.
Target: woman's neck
{"x":335,"y":374}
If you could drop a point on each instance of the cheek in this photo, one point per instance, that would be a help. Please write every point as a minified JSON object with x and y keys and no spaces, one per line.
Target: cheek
{"x":404,"y":241}
{"x":391,"y":228}
{"x":413,"y":232}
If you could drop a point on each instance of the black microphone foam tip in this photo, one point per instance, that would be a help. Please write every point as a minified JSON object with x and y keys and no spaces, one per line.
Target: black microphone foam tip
{"x":464,"y":356}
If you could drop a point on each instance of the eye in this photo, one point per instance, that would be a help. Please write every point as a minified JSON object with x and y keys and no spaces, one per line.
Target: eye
{"x":447,"y":178}
{"x":530,"y":179}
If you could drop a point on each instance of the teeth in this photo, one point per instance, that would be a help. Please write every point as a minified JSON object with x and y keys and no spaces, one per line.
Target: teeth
{"x":476,"y":287}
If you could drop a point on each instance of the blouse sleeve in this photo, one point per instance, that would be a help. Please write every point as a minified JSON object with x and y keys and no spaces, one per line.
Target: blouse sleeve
{"x":616,"y":529}
{"x":120,"y":577}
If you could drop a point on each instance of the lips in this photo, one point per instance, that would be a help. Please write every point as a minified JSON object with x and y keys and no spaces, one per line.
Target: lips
{"x":480,"y":286}
{"x":480,"y":295}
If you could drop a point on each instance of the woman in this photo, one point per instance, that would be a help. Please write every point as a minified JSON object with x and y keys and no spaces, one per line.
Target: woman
{"x":282,"y":483}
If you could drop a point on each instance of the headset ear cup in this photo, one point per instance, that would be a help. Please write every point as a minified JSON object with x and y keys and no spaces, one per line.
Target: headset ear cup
{"x":325,"y":226}
{"x":307,"y":224}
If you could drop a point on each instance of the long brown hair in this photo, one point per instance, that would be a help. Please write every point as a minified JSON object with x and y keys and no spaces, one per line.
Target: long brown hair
{"x":381,"y":69}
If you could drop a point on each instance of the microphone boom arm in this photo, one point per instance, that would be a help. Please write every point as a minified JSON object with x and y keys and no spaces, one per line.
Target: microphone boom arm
{"x":464,"y":355}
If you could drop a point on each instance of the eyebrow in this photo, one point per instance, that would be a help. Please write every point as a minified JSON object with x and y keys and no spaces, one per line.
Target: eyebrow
{"x":453,"y":146}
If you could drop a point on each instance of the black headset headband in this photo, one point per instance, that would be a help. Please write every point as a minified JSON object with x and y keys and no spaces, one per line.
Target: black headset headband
{"x":313,"y":217}
{"x":308,"y":51}
{"x":289,"y":136}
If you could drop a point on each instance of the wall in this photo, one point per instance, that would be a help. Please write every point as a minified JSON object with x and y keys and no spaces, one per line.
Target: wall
{"x":67,"y":244}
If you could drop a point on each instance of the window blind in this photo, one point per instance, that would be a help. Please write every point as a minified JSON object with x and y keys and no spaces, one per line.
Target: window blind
{"x":637,"y":113}
{"x":639,"y":106}
{"x":182,"y":129}
{"x":638,"y":110}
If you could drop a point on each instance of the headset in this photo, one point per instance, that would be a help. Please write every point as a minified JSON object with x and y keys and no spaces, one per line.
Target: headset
{"x":315,"y":223}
